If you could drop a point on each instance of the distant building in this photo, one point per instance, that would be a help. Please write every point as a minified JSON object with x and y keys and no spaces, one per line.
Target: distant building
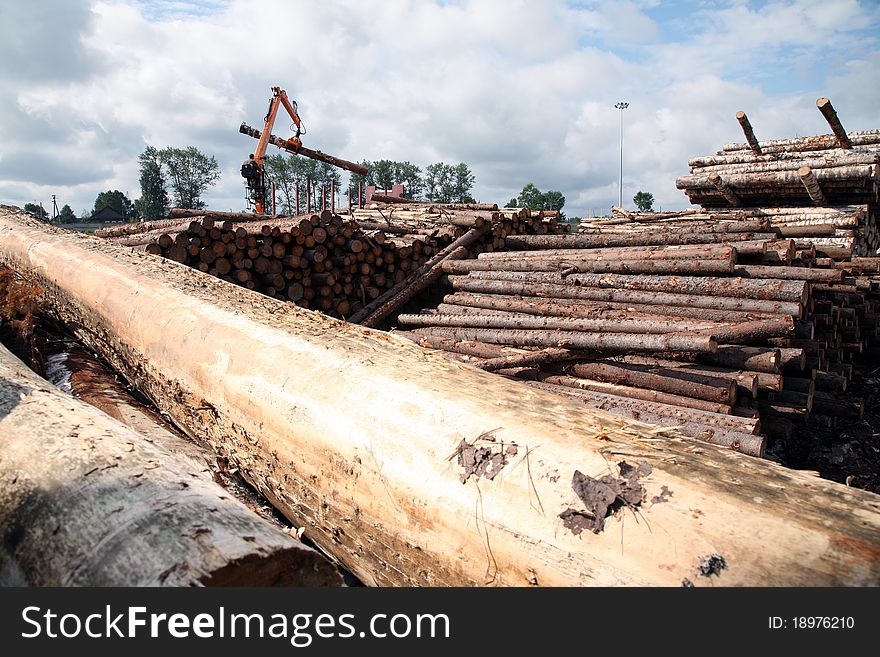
{"x":106,"y":215}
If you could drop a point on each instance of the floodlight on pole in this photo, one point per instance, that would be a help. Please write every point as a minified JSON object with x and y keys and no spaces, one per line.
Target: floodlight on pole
{"x":621,"y":106}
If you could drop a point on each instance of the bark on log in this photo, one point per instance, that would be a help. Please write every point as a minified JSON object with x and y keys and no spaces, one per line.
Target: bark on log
{"x":772,"y":180}
{"x":550,"y":290}
{"x":752,"y":331}
{"x":717,"y":390}
{"x":830,"y":115}
{"x":746,"y":126}
{"x":724,"y":189}
{"x":690,"y":342}
{"x":640,"y":238}
{"x":678,"y":413}
{"x":631,"y":392}
{"x":788,"y":273}
{"x":87,"y":501}
{"x":665,"y":252}
{"x":758,"y":359}
{"x":583,"y":308}
{"x":766,"y":289}
{"x":367,"y":487}
{"x":748,"y":382}
{"x":720,"y":265}
{"x":136,"y":228}
{"x":811,"y":184}
{"x":811,"y":143}
{"x":183,"y":213}
{"x":586,"y":325}
{"x":743,"y":441}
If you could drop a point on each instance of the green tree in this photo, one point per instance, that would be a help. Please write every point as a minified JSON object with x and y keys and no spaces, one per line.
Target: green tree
{"x":36,"y":209}
{"x":362,"y":179}
{"x":294,"y":175}
{"x":512,"y":203}
{"x":530,"y":197}
{"x":153,"y":203}
{"x":383,"y":173}
{"x":116,"y":200}
{"x":66,"y":215}
{"x":410,"y":176}
{"x":191,"y":173}
{"x":533,"y":198}
{"x":281,"y":171}
{"x":462,"y":183}
{"x":445,"y":183}
{"x":436,"y":181}
{"x":553,"y":200}
{"x":644,"y":201}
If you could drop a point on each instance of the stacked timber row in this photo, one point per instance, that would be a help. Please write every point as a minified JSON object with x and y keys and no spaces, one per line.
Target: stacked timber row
{"x":731,"y":337}
{"x":836,"y":169}
{"x":451,"y":220}
{"x":834,"y":232}
{"x":325,"y":262}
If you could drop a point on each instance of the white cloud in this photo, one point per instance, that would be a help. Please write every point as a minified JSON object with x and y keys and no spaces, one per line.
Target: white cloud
{"x":521,"y":91}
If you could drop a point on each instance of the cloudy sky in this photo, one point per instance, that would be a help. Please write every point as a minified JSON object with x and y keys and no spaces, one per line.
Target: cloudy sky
{"x":522,"y":91}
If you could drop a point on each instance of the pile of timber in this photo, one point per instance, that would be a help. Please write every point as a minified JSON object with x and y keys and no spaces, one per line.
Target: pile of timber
{"x":832,"y":232}
{"x":728,"y":331}
{"x":834,"y":169}
{"x":400,"y":461}
{"x":451,"y":220}
{"x":339,"y":265}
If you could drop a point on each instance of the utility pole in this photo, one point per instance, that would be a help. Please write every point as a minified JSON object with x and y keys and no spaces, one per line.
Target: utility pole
{"x":621,"y":106}
{"x":55,"y":212}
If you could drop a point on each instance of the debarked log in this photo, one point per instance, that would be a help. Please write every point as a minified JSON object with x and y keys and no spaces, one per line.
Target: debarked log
{"x":691,"y":342}
{"x":586,"y":325}
{"x":584,"y":308}
{"x":767,"y":288}
{"x":87,"y":501}
{"x":714,"y":389}
{"x":720,"y":265}
{"x":705,"y":428}
{"x":495,"y":286}
{"x":273,"y":388}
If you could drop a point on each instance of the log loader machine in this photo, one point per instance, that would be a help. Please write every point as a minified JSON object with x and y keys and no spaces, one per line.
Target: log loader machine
{"x":253,"y":170}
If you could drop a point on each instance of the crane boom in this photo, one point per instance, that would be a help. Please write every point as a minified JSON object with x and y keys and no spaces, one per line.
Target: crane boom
{"x":253,"y":169}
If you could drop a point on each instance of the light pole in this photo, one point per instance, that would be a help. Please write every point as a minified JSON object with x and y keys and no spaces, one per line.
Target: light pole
{"x":621,"y":106}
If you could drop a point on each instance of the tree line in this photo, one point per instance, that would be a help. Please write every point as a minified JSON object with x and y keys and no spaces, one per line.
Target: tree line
{"x":533,"y":198}
{"x":440,"y":182}
{"x":181,"y":175}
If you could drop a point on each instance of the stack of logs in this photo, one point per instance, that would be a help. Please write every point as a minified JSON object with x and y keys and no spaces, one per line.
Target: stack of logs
{"x":432,"y":221}
{"x":326,"y":261}
{"x":728,"y":325}
{"x":834,"y":169}
{"x":832,"y":232}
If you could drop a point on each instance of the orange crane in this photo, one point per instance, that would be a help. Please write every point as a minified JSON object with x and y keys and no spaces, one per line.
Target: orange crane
{"x":254,"y":171}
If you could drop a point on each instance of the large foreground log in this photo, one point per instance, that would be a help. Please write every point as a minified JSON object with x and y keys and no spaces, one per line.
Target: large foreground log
{"x":416,"y":470}
{"x":85,"y":500}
